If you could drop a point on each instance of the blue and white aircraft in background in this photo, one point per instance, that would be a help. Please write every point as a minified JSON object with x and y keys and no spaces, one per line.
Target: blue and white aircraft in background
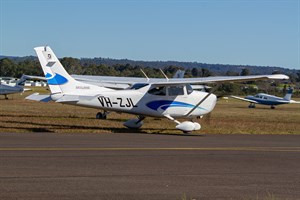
{"x":269,"y":100}
{"x":9,"y":89}
{"x":168,"y":98}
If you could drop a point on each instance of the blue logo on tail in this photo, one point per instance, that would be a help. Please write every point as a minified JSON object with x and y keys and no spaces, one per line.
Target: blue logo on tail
{"x":55,"y":79}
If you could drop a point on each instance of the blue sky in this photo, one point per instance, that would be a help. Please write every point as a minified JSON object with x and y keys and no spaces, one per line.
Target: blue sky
{"x":257,"y":32}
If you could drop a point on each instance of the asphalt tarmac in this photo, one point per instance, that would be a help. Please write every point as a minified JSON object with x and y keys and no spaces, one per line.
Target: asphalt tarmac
{"x":143,"y":166}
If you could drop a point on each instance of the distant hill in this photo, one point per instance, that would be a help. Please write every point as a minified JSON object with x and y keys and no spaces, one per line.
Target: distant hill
{"x":217,"y":69}
{"x":19,"y":59}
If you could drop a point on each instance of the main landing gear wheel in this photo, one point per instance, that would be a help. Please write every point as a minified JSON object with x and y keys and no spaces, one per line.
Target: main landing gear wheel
{"x":252,"y":105}
{"x":101,"y":115}
{"x":272,"y":107}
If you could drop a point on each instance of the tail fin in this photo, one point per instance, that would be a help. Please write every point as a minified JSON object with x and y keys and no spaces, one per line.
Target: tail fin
{"x":179,"y":74}
{"x":58,"y":79}
{"x":22,"y":80}
{"x":288,"y":95}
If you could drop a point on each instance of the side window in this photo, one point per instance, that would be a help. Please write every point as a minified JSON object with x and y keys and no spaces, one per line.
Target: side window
{"x":138,"y":86}
{"x":175,"y":90}
{"x":158,"y":91}
{"x":189,"y":89}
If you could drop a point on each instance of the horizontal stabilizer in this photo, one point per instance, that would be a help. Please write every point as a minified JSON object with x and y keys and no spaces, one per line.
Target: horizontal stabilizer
{"x":42,"y":78}
{"x":38,"y":97}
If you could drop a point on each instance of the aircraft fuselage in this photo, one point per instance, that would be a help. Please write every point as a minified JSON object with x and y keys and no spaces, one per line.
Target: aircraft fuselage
{"x":266,"y":99}
{"x":137,"y":102}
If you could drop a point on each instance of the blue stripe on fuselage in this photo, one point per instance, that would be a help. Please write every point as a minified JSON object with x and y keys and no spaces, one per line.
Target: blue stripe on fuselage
{"x":164,"y":104}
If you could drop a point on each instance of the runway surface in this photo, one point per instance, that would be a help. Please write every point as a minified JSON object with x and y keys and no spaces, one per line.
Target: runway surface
{"x":143,"y":166}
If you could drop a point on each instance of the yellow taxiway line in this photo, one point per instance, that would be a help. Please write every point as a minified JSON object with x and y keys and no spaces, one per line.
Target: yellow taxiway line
{"x":276,"y":149}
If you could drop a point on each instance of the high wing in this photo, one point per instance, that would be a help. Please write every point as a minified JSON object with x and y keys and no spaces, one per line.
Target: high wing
{"x":121,"y":82}
{"x":175,"y":81}
{"x":125,"y":82}
{"x":109,"y":81}
{"x":219,"y":79}
{"x":243,"y":99}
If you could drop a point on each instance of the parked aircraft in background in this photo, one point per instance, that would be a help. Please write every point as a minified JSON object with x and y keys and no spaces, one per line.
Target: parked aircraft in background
{"x":169,"y":98}
{"x":6,"y":89}
{"x":269,"y":100}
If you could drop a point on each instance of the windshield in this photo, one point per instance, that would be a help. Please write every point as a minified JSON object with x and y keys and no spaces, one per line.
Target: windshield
{"x":158,"y":91}
{"x":189,"y":89}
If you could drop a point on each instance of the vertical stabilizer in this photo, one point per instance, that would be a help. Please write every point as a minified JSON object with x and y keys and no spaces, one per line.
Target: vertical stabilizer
{"x":58,"y":79}
{"x":288,"y":95}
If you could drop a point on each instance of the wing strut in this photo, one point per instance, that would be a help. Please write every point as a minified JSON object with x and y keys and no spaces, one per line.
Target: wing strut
{"x":202,"y":100}
{"x":145,"y":75}
{"x":164,"y":74}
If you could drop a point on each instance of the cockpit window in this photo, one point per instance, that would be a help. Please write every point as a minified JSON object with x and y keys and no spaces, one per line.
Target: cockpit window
{"x":175,"y":90}
{"x":138,"y":86}
{"x":189,"y":89}
{"x":158,"y":91}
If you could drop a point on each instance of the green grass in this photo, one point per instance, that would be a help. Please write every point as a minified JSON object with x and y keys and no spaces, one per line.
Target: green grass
{"x":229,"y":117}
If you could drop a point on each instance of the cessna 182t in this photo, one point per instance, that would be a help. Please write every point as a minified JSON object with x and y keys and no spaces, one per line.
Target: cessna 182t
{"x":169,"y":98}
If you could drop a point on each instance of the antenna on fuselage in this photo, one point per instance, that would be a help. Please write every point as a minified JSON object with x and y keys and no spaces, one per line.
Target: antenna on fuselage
{"x":145,"y":75}
{"x":164,"y":74}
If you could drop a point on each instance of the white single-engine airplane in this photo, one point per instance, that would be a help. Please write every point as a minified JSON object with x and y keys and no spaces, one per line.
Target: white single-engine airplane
{"x":169,"y":98}
{"x":9,"y":89}
{"x":269,"y":100}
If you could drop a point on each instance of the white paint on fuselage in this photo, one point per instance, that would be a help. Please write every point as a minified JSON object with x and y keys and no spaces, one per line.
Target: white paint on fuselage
{"x":140,"y":102}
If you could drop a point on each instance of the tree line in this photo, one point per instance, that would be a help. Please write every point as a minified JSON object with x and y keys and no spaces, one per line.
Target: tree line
{"x":16,"y":68}
{"x":11,"y":68}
